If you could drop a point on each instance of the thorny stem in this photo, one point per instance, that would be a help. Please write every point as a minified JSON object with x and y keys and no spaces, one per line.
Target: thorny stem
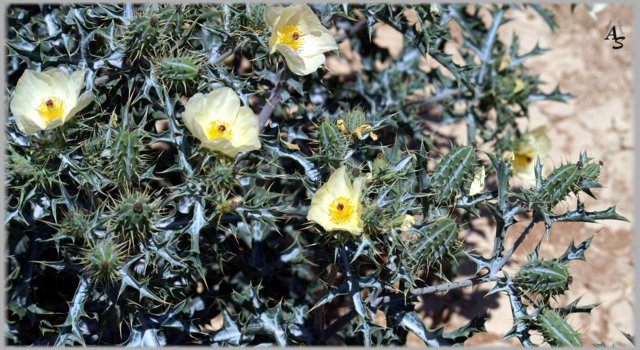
{"x":449,"y":286}
{"x":466,"y":202}
{"x":488,"y":48}
{"x":485,"y":57}
{"x":581,"y":215}
{"x":338,"y":324}
{"x":273,"y":100}
{"x":440,"y":96}
{"x":435,"y":289}
{"x":490,"y":277}
{"x":346,"y":318}
{"x":472,"y":128}
{"x":498,"y":264}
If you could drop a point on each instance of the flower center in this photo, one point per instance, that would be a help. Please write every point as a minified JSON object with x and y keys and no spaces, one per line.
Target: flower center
{"x":523,"y":160}
{"x":51,"y":108}
{"x":341,"y":210}
{"x":291,"y":36}
{"x":219,"y":130}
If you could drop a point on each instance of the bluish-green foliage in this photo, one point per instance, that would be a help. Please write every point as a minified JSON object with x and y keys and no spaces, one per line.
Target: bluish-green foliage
{"x":122,"y":230}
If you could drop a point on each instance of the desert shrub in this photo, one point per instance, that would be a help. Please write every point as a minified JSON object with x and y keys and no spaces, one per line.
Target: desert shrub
{"x":156,"y":208}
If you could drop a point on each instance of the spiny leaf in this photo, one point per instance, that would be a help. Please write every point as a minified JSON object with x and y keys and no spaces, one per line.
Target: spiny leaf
{"x":452,"y":171}
{"x":556,"y":330}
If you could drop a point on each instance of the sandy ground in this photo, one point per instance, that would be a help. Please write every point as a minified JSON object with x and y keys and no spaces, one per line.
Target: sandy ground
{"x":599,"y":120}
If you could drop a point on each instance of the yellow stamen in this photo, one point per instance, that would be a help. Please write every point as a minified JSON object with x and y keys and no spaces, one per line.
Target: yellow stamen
{"x":523,"y":160}
{"x":291,"y":36}
{"x":51,"y":108}
{"x":219,"y":130}
{"x":341,"y":210}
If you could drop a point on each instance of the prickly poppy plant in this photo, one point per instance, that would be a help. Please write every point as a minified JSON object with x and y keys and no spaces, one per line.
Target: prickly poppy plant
{"x":194,"y":174}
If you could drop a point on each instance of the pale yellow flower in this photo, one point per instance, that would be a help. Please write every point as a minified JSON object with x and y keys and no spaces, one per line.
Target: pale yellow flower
{"x":336,"y":206}
{"x":532,"y":145}
{"x":407,"y":223}
{"x":299,"y":37}
{"x":477,"y":185}
{"x":46,"y":100}
{"x":218,"y":121}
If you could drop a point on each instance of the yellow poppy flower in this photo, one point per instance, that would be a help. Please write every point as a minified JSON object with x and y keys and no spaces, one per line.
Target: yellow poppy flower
{"x":46,"y":100}
{"x":299,"y":37}
{"x":532,"y":145}
{"x":218,"y":121}
{"x":336,"y":206}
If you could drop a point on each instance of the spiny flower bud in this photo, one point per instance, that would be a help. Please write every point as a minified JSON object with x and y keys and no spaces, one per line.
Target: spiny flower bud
{"x":354,"y":119}
{"x":133,"y":216}
{"x":103,"y":259}
{"x":544,"y":277}
{"x":77,"y":224}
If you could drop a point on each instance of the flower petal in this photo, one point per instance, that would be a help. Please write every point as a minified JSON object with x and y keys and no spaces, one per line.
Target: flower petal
{"x":74,"y":84}
{"x":358,"y":187}
{"x":294,"y":61}
{"x":339,"y":184}
{"x":272,"y":15}
{"x":320,"y":202}
{"x":223,"y":104}
{"x":193,"y":115}
{"x":28,"y":125}
{"x":35,"y":84}
{"x":83,"y":101}
{"x":318,"y":44}
{"x":246,"y":131}
{"x":312,"y":63}
{"x":277,"y":18}
{"x":542,"y":141}
{"x":221,"y":145}
{"x":54,"y":123}
{"x":308,"y":21}
{"x":477,"y":185}
{"x":31,"y":88}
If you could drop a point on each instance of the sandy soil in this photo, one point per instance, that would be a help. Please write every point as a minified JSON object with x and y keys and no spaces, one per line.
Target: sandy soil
{"x":599,"y":120}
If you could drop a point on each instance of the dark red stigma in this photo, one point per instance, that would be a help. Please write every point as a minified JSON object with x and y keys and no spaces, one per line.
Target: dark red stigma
{"x":222,"y":128}
{"x":340,"y":206}
{"x":296,"y":36}
{"x":49,"y":102}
